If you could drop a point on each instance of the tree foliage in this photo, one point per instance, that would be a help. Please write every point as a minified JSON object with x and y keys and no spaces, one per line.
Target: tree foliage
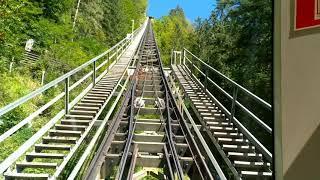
{"x":173,"y":32}
{"x":100,"y":24}
{"x":237,"y":40}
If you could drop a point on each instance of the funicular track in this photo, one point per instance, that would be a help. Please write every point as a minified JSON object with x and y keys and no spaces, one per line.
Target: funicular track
{"x":148,"y":130}
{"x":148,"y":134}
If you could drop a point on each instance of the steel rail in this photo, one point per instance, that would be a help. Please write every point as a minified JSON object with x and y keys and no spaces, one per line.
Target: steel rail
{"x":170,"y":144}
{"x":98,"y":159}
{"x":168,"y":130}
{"x":215,"y":143}
{"x":132,"y":124}
{"x":187,"y":134}
{"x":199,"y":135}
{"x":101,"y":153}
{"x":255,"y":97}
{"x":133,"y":162}
{"x":92,"y":143}
{"x":168,"y":161}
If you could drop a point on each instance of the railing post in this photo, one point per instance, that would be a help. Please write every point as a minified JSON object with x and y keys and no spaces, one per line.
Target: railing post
{"x":171,"y":56}
{"x":11,"y":65}
{"x":192,"y":66}
{"x":108,"y":56}
{"x":132,"y":30}
{"x":42,"y":77}
{"x":234,"y":100}
{"x":66,"y":89}
{"x":206,"y":80}
{"x":94,"y":74}
{"x":184,"y":57}
{"x":117,"y":54}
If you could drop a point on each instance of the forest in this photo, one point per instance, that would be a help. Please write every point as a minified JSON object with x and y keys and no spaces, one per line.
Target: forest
{"x":236,"y":40}
{"x":100,"y":24}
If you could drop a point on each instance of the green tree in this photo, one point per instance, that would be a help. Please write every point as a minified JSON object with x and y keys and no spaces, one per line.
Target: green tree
{"x":173,"y":32}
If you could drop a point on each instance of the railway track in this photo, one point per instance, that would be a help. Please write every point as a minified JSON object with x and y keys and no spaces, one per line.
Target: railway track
{"x":148,"y":132}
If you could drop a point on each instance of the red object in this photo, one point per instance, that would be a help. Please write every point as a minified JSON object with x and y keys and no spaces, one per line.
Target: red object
{"x":306,"y":14}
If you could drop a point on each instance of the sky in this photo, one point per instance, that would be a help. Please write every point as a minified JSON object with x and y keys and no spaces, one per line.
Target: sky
{"x":192,"y":8}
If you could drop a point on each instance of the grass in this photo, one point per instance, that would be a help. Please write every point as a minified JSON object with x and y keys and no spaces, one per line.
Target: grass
{"x":148,"y":116}
{"x":150,"y":106}
{"x":138,"y":169}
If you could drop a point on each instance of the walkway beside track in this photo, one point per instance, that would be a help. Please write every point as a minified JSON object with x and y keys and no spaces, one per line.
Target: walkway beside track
{"x":243,"y":159}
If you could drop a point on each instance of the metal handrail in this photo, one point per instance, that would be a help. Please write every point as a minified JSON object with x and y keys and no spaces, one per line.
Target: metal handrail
{"x":243,"y":129}
{"x":235,"y":91}
{"x":230,"y":113}
{"x":255,"y":97}
{"x":122,"y":44}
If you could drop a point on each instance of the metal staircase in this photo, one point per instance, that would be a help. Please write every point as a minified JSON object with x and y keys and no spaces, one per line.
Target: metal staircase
{"x":47,"y":153}
{"x":62,"y":138}
{"x":230,"y":137}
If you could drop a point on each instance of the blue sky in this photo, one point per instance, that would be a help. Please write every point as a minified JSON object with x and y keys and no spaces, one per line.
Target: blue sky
{"x":192,"y":8}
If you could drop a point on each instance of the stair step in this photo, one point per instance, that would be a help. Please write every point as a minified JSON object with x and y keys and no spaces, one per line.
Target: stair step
{"x":219,"y":123}
{"x":26,"y":176}
{"x":107,"y":84}
{"x":64,"y":133}
{"x":39,"y":147}
{"x":70,"y":127}
{"x":110,"y":79}
{"x":209,"y":110}
{"x":79,"y":117}
{"x":89,"y":104}
{"x":104,"y":87}
{"x":92,"y":101}
{"x":86,"y":108}
{"x":236,"y":141}
{"x":95,"y":98}
{"x":22,"y":165}
{"x":255,"y":166}
{"x":223,"y":129}
{"x":227,"y":135}
{"x":33,"y":155}
{"x":238,"y":148}
{"x":94,"y":94}
{"x":256,"y":174}
{"x":80,"y":112}
{"x":100,"y":92}
{"x":237,"y":156}
{"x":75,"y":122}
{"x":63,"y":140}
